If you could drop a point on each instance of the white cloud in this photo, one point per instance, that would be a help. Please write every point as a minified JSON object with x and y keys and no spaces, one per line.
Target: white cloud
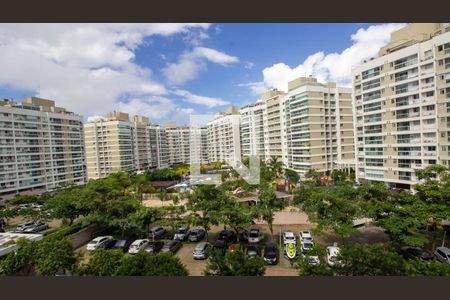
{"x":249,"y":65}
{"x":256,"y":88}
{"x":333,"y":67}
{"x":200,"y":100}
{"x":86,"y":68}
{"x":190,"y":64}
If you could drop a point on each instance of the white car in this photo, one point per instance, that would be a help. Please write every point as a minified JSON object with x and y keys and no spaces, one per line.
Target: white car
{"x":306,"y":245}
{"x":99,"y":242}
{"x":443,"y":254}
{"x":312,"y":260}
{"x":24,"y":226}
{"x":289,"y":237}
{"x":255,"y":236}
{"x":305,"y":236}
{"x":138,"y":245}
{"x":332,"y":253}
{"x":182,"y":233}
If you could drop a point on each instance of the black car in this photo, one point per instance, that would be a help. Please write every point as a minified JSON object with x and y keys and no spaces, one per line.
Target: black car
{"x":229,"y":236}
{"x":121,"y":244}
{"x":153,"y":247}
{"x":252,"y":251}
{"x":172,"y":247}
{"x":221,"y":245}
{"x":196,"y":235}
{"x":416,"y":252}
{"x":271,"y":253}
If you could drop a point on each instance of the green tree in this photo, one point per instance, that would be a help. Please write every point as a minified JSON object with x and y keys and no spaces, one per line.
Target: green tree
{"x":54,"y":255}
{"x":102,"y":263}
{"x":142,"y":264}
{"x":24,"y":199}
{"x":268,"y":204}
{"x":20,"y":262}
{"x":275,"y":166}
{"x":330,"y":208}
{"x":205,"y":205}
{"x":234,"y":263}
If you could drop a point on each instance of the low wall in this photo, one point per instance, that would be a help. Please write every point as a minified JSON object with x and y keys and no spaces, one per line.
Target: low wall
{"x":83,"y":236}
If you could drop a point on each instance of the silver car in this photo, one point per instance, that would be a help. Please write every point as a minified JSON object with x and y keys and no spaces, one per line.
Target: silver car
{"x":36,"y":227}
{"x":443,"y":254}
{"x":200,"y":251}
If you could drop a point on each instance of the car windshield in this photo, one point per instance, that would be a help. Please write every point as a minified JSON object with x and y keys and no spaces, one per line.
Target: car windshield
{"x":181,"y":230}
{"x":289,"y":237}
{"x":307,"y":245}
{"x":193,"y":232}
{"x":253,"y":233}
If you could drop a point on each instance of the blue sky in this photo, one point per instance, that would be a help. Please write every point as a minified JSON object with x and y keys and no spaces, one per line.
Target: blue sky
{"x":167,"y":71}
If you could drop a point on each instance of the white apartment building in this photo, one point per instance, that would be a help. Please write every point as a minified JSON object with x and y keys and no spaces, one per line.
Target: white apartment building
{"x":402,"y":105}
{"x":253,"y":126}
{"x":318,"y":126}
{"x":273,"y":127}
{"x":179,"y":143}
{"x":41,"y":146}
{"x":224,"y":137}
{"x":116,"y":144}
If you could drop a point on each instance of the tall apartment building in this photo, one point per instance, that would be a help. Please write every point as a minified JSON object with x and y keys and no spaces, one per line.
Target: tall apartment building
{"x":179,"y":143}
{"x":274,"y":119}
{"x":41,"y":146}
{"x":402,"y":100}
{"x":253,"y":125}
{"x":224,"y":137}
{"x":117,"y":144}
{"x":318,"y":125}
{"x":109,"y":145}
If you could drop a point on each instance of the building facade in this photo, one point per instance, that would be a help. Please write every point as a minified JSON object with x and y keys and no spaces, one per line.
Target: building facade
{"x":318,"y":126}
{"x":117,"y":144}
{"x":41,"y":146}
{"x":274,"y":119}
{"x":223,"y":135}
{"x":253,"y":124}
{"x":402,"y":100}
{"x":179,"y":143}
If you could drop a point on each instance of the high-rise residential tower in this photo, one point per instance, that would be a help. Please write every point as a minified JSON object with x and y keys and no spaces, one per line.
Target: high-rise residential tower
{"x":224,"y":137}
{"x":253,"y":125}
{"x":402,"y":100}
{"x":318,"y":126}
{"x":41,"y":146}
{"x":273,"y":129}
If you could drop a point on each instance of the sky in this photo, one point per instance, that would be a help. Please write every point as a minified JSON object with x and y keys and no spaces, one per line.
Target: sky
{"x":169,"y":71}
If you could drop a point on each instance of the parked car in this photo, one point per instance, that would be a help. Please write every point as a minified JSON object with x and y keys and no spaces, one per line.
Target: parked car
{"x":255,"y":236}
{"x":154,"y":247}
{"x":221,"y":245}
{"x":312,"y":260}
{"x":37,"y":205}
{"x":172,"y":247}
{"x":156,"y":232}
{"x":36,"y":227}
{"x":22,"y":227}
{"x":416,"y":252}
{"x":289,"y":237}
{"x":138,"y":245}
{"x":201,"y":250}
{"x":305,"y":236}
{"x":123,"y":244}
{"x":271,"y":253}
{"x":182,"y":233}
{"x":252,"y":251}
{"x":99,"y":242}
{"x":306,"y":246}
{"x":252,"y":202}
{"x":332,"y":254}
{"x":229,"y":236}
{"x":196,"y":235}
{"x":443,"y":254}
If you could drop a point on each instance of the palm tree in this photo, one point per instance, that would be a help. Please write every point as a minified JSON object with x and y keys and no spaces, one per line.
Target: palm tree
{"x":275,"y":166}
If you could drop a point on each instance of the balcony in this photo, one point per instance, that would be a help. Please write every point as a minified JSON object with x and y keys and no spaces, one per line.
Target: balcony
{"x":405,"y":64}
{"x":429,"y":126}
{"x":429,"y":153}
{"x":408,"y":115}
{"x":428,"y":113}
{"x":409,"y":153}
{"x":428,"y":85}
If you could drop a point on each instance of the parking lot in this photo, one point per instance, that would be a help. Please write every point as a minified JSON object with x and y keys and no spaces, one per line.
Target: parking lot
{"x":366,"y":235}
